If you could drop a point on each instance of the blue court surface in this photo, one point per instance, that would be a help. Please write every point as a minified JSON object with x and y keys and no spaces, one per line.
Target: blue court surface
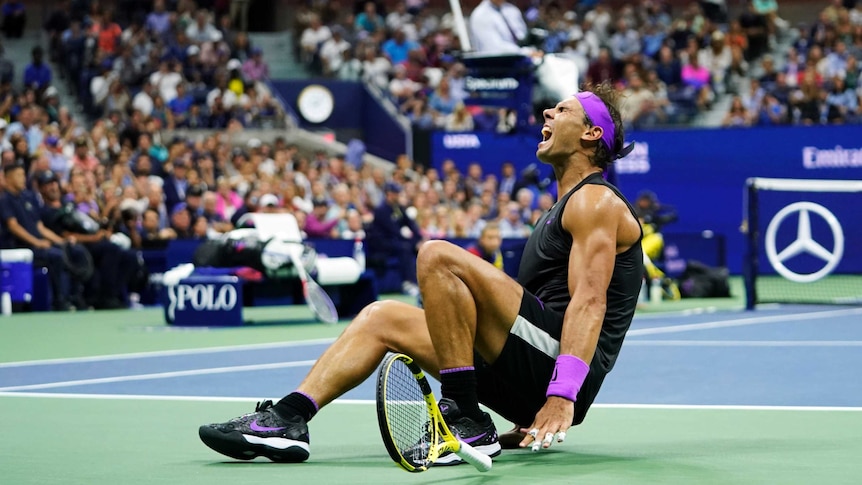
{"x":778,"y":359}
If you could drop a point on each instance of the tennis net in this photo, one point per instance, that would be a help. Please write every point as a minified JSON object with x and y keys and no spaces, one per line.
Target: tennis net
{"x":804,"y":241}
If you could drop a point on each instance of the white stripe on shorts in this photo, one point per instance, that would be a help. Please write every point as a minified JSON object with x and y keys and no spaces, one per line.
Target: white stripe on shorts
{"x":536,"y":337}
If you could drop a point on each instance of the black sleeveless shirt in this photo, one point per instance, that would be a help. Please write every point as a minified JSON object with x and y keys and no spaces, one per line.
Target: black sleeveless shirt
{"x":544,"y":272}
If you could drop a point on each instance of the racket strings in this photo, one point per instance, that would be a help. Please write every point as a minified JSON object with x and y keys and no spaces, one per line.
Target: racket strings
{"x":407,"y":415}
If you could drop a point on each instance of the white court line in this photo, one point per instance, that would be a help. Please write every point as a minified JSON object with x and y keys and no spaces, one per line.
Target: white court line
{"x":741,"y":322}
{"x":737,"y":322}
{"x":365,"y":402}
{"x":170,"y":353}
{"x":161,"y":375}
{"x":746,"y":343}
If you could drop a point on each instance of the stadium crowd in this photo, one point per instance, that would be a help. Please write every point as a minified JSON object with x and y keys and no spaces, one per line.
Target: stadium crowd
{"x":671,"y":65}
{"x":178,"y":65}
{"x":105,"y":192}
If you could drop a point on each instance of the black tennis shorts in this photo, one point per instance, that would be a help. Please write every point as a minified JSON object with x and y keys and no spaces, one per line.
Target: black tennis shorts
{"x":515,"y":385}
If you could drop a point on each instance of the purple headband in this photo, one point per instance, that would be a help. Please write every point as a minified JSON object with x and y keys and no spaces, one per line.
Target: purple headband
{"x":598,"y":113}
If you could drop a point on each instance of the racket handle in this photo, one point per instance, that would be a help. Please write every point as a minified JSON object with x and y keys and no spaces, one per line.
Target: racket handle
{"x":481,"y":461}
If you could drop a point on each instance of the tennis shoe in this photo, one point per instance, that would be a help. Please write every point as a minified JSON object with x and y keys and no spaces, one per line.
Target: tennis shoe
{"x":261,"y":433}
{"x":481,"y":435}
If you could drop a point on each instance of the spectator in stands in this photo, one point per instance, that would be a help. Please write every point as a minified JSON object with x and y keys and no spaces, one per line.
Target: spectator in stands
{"x":772,"y":111}
{"x":203,"y":30}
{"x":176,"y":184}
{"x":22,"y":227}
{"x":603,"y":68}
{"x":806,"y":101}
{"x":159,"y":20}
{"x":755,"y":26}
{"x":640,"y":107}
{"x":153,"y":235}
{"x":459,"y":119}
{"x":753,"y":97}
{"x":316,"y":222}
{"x":143,"y":100}
{"x":738,"y":115}
{"x":107,"y":33}
{"x":696,"y":82}
{"x":166,"y":79}
{"x":392,"y":234}
{"x":215,"y":221}
{"x":441,"y":102}
{"x":58,"y":21}
{"x":625,"y":41}
{"x":37,"y":74}
{"x":497,"y":26}
{"x":181,"y":221}
{"x":254,"y":68}
{"x":488,"y":245}
{"x":375,"y":67}
{"x":28,"y":127}
{"x":400,"y":18}
{"x":369,"y":21}
{"x":112,"y":264}
{"x":841,"y":103}
{"x":312,"y":39}
{"x":332,"y":52}
{"x":512,"y":224}
{"x":180,"y":106}
{"x":14,"y":18}
{"x":397,"y":47}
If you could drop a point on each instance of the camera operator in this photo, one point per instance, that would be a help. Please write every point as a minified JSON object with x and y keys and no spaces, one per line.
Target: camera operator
{"x":111,"y":264}
{"x":653,"y":216}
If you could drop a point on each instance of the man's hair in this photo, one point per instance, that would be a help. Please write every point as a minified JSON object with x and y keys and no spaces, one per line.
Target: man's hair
{"x":609,"y":96}
{"x":490,"y":226}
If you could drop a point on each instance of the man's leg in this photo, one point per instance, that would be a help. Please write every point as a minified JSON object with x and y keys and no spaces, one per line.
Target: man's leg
{"x":470,"y":307}
{"x":52,"y":259}
{"x":280,"y":432}
{"x":469,"y":304}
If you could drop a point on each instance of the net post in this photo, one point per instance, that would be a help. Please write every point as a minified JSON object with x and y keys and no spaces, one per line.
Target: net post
{"x":751,"y":232}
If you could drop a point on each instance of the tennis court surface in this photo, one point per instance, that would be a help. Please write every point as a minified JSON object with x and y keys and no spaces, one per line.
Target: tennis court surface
{"x":698,"y":396}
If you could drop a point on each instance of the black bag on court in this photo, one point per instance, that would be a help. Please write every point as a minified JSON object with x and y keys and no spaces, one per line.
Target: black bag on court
{"x":702,"y":281}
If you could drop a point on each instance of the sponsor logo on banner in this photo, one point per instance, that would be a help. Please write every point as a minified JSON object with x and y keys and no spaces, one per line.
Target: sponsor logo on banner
{"x":804,"y":242}
{"x":461,"y":141}
{"x":209,"y":297}
{"x":635,"y":162}
{"x":839,"y":157}
{"x":490,"y":84}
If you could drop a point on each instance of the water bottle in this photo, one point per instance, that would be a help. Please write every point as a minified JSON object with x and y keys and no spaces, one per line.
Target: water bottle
{"x":6,"y":304}
{"x":655,"y":291}
{"x":359,"y":253}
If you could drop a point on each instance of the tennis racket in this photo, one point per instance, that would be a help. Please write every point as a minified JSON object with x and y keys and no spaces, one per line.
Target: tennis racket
{"x":315,"y":296}
{"x":411,"y":424}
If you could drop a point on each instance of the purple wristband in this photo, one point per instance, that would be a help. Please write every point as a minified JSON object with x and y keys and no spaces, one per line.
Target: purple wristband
{"x":569,"y":375}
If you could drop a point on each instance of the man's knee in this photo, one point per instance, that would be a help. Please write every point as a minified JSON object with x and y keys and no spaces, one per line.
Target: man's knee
{"x":379,"y":318}
{"x":436,"y":254}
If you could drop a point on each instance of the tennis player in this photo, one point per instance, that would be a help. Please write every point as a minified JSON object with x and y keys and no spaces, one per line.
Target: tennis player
{"x":535,"y":350}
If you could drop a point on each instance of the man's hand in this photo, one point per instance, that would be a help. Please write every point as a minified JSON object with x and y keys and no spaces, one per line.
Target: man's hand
{"x":551,"y":423}
{"x":42,"y":244}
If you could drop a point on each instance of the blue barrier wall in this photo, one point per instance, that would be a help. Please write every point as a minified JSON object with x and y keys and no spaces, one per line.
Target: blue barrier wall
{"x":700,"y":172}
{"x":354,"y":108}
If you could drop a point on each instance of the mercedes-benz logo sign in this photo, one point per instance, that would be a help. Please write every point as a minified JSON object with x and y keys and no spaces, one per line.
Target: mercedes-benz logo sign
{"x":804,"y":242}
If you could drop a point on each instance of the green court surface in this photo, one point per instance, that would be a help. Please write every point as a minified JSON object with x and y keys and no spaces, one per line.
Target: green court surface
{"x":88,"y":441}
{"x":91,"y":439}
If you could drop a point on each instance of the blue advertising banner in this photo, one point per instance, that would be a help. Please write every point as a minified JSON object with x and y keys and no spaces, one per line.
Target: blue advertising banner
{"x":700,"y":172}
{"x":333,"y":105}
{"x":805,"y":236}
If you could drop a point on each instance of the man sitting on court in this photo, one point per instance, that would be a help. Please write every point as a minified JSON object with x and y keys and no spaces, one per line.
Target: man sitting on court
{"x":535,"y":350}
